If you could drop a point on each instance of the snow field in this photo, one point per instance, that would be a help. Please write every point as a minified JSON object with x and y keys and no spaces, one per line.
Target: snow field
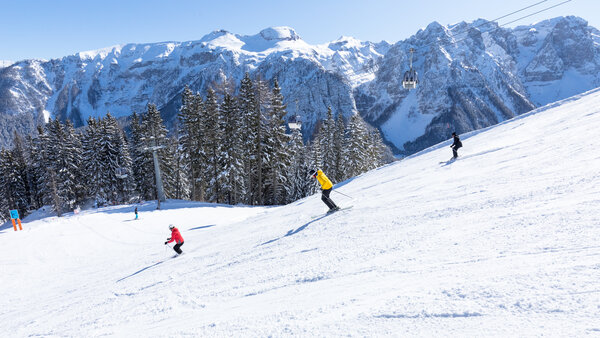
{"x":502,"y":242}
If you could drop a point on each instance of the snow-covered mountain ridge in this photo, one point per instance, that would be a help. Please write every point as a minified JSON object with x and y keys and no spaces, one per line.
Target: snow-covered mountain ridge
{"x":123,"y":79}
{"x":476,"y":75}
{"x":430,"y":248}
{"x":472,"y":75}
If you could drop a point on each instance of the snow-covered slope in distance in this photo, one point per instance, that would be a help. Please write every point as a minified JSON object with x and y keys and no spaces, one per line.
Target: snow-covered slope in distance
{"x":501,"y":242}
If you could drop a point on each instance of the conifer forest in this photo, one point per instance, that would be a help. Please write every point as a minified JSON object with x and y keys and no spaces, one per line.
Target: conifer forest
{"x":227,"y":147}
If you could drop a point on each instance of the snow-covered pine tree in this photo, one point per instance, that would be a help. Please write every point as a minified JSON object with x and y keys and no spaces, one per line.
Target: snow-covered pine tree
{"x":92,"y":162}
{"x":263,"y":100}
{"x":12,"y":184}
{"x":299,"y":183}
{"x":327,"y":145}
{"x":5,"y":196}
{"x":190,"y":139}
{"x":142,"y":165}
{"x":118,"y":184}
{"x":376,"y":149}
{"x":40,"y":168}
{"x":316,"y":147}
{"x":234,"y":186}
{"x":339,"y":151}
{"x":181,"y":172}
{"x":315,"y":160}
{"x":56,"y":177}
{"x":64,"y":157}
{"x":72,"y":157}
{"x":250,"y":115}
{"x":213,"y":143}
{"x":277,"y":160}
{"x":168,"y":164}
{"x":356,"y":143}
{"x":22,"y":162}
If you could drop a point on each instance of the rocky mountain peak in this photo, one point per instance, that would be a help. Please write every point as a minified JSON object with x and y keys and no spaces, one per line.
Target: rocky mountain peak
{"x":471,"y":75}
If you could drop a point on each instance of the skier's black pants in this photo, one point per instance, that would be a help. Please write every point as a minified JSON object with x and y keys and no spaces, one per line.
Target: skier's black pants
{"x":325,"y":198}
{"x":177,"y":248}
{"x":455,"y":152}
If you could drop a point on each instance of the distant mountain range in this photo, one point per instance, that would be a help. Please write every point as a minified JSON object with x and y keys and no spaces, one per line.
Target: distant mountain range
{"x":472,"y":75}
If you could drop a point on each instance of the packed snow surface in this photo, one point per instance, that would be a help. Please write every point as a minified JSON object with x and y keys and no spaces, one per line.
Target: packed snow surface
{"x":505,"y":241}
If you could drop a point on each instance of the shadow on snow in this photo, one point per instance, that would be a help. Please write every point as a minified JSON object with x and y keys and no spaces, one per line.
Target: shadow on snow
{"x":144,"y":269}
{"x":295,"y":231}
{"x":202,"y":227}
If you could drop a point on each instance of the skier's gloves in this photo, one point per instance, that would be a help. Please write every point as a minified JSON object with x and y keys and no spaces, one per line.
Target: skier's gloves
{"x":166,"y":243}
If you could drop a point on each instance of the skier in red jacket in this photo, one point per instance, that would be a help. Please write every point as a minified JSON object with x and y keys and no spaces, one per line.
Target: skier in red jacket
{"x":175,"y":236}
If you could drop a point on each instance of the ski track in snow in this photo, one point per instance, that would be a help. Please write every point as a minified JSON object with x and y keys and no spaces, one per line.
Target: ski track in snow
{"x":502,"y":242}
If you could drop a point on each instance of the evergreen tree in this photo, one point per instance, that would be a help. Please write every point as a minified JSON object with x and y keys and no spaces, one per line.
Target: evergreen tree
{"x":250,"y":135}
{"x":327,"y":145}
{"x":338,"y":150}
{"x":191,"y":134}
{"x":72,"y":174}
{"x":277,"y":157}
{"x":182,"y":179}
{"x":40,"y":168}
{"x":64,"y":158}
{"x":21,"y":154}
{"x":234,"y":186}
{"x":117,"y":180}
{"x":92,"y":162}
{"x":12,"y":184}
{"x":299,"y":183}
{"x":260,"y":127}
{"x":213,"y":144}
{"x":376,"y":149}
{"x":356,"y":144}
{"x":142,"y":162}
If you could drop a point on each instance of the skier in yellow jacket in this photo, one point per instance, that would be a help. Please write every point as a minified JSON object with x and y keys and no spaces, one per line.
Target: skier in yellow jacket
{"x":326,"y":187}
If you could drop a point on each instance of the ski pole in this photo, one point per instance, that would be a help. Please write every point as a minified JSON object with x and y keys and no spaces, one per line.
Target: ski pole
{"x":341,"y":193}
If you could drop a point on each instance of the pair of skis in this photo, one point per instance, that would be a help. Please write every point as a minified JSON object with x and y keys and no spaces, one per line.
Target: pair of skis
{"x":330,"y":212}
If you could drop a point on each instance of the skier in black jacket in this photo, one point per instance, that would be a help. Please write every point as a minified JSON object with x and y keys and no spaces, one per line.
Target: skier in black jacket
{"x":457,"y":144}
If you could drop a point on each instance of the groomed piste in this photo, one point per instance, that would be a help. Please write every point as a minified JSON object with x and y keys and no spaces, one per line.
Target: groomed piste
{"x":504,"y":241}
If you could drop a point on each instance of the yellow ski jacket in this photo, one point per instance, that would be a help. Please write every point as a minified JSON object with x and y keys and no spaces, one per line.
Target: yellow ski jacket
{"x":323,"y":180}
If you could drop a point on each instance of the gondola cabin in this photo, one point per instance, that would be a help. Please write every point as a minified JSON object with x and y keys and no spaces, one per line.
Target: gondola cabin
{"x":410,"y":79}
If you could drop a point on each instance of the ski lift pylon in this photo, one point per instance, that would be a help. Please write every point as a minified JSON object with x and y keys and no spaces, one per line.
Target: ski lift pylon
{"x":410,"y":79}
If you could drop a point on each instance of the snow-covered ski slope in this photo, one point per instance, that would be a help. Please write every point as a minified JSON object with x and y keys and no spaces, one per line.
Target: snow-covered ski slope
{"x":505,"y":241}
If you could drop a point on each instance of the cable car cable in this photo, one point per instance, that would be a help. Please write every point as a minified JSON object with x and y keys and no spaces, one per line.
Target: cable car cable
{"x":504,"y":24}
{"x":411,"y":84}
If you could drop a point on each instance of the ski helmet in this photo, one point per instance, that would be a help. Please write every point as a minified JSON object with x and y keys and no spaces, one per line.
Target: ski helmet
{"x":171,"y":226}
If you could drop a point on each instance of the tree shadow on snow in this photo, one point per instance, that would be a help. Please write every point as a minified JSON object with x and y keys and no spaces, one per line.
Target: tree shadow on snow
{"x":202,"y":227}
{"x":144,"y":269}
{"x":294,"y":231}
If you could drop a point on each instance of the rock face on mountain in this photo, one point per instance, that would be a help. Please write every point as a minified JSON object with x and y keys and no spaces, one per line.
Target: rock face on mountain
{"x":476,"y":75}
{"x":471,"y":75}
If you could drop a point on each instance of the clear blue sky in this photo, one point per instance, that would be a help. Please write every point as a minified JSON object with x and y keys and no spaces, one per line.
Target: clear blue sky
{"x":45,"y":29}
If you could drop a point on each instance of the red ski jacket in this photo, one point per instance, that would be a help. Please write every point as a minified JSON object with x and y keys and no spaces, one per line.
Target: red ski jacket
{"x":175,"y":236}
